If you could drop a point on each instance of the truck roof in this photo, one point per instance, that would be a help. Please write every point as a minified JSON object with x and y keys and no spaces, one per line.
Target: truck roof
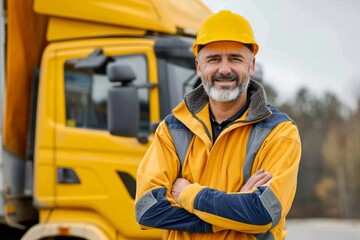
{"x":125,"y":17}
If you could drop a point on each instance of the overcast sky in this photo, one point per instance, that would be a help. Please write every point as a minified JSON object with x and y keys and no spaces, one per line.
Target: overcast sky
{"x":313,"y":43}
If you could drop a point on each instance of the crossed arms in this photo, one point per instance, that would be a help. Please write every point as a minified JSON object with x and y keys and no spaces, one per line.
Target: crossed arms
{"x":180,"y":205}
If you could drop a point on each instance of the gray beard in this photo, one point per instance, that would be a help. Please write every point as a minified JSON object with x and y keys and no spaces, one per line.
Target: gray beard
{"x":225,"y":95}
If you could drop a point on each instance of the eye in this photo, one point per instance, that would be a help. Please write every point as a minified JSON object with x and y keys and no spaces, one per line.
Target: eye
{"x":236,"y":59}
{"x":213,"y":60}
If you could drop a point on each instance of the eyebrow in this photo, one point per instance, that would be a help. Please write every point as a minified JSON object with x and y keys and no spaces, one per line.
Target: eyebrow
{"x":212,"y":56}
{"x":229,"y":55}
{"x":236,"y":55}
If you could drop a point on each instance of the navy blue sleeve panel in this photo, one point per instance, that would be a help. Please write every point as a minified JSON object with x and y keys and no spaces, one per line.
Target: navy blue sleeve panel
{"x":154,"y":210}
{"x":240,"y":207}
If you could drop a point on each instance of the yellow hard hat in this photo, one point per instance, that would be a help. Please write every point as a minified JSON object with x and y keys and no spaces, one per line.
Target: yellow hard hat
{"x":225,"y":26}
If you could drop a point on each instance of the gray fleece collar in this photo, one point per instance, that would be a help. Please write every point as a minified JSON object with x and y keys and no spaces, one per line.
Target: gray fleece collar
{"x":197,"y":99}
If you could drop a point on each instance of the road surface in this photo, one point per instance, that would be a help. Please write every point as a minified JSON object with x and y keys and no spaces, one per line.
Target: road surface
{"x":322,"y":229}
{"x":297,"y":229}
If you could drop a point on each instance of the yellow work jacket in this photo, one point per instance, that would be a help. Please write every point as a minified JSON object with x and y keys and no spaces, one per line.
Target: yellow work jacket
{"x":212,"y":207}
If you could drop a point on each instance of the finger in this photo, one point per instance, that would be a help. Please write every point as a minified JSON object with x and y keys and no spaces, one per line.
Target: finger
{"x":257,"y":176}
{"x":266,"y":177}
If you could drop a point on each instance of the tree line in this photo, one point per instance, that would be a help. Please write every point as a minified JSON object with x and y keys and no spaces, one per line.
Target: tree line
{"x":328,"y":179}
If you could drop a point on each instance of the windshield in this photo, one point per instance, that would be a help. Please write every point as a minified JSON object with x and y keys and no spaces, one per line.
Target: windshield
{"x":182,"y":79}
{"x":176,"y":71}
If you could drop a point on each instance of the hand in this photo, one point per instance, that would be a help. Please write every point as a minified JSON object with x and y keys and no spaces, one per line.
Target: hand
{"x":259,"y":178}
{"x":177,"y":188}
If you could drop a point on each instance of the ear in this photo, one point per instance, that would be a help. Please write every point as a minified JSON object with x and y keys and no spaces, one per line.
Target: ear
{"x":252,"y":67}
{"x":198,"y":69}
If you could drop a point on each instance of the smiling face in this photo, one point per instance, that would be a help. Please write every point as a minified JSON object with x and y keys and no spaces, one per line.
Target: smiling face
{"x":225,"y":69}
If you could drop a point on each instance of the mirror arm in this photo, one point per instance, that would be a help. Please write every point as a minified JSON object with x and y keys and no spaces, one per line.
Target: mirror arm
{"x":147,"y":85}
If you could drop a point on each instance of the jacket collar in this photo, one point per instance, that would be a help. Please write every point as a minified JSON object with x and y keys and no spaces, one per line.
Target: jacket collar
{"x":197,"y":99}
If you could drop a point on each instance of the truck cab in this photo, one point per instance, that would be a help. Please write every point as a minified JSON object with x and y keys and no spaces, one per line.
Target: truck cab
{"x":110,"y":72}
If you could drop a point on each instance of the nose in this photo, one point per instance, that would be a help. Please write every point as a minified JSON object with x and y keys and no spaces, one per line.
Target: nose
{"x":224,"y":68}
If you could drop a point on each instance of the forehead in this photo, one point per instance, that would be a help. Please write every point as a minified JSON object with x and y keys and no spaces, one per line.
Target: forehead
{"x":225,"y":47}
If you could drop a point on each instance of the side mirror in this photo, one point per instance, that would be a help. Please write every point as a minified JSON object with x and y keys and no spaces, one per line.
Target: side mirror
{"x":121,"y":73}
{"x":123,"y":108}
{"x":123,"y":111}
{"x":123,"y":105}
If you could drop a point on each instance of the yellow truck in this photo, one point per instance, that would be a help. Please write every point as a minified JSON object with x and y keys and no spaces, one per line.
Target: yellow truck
{"x":84,"y":84}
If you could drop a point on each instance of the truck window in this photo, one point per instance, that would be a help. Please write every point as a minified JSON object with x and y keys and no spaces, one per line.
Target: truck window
{"x":86,"y":94}
{"x":182,"y":78}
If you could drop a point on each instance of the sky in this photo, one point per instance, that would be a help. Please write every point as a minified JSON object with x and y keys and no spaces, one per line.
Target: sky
{"x":305,"y":43}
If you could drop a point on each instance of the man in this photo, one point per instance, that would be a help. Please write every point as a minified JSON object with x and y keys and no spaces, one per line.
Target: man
{"x":224,"y":164}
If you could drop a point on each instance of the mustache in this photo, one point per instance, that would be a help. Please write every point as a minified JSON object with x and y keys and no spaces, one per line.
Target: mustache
{"x":230,"y":76}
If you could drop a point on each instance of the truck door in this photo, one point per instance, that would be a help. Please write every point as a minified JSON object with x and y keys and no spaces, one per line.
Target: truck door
{"x":95,"y":170}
